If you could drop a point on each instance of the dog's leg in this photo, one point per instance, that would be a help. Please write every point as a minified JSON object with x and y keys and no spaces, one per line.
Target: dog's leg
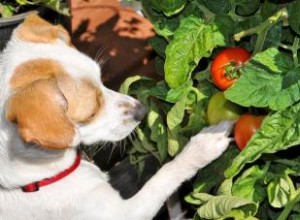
{"x":202,"y":149}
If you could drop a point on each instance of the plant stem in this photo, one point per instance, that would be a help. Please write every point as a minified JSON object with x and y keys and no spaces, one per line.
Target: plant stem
{"x":261,"y":30}
{"x":289,"y":206}
{"x":295,"y":48}
{"x":261,"y":36}
{"x":207,"y":13}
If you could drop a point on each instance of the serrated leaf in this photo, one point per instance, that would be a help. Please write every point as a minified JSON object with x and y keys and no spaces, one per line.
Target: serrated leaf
{"x":279,"y":191}
{"x":158,"y":130}
{"x":192,"y":40}
{"x":220,"y":206}
{"x":174,"y":118}
{"x":279,"y":131}
{"x":294,"y":16}
{"x":166,"y":27}
{"x":217,"y":6}
{"x":205,"y":180}
{"x":249,"y":185}
{"x":125,"y":87}
{"x":268,"y":80}
{"x":159,"y":44}
{"x":169,"y":7}
{"x":247,"y":7}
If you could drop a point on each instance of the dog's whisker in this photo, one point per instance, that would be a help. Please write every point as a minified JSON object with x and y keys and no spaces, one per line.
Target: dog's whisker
{"x":111,"y":152}
{"x":101,"y":56}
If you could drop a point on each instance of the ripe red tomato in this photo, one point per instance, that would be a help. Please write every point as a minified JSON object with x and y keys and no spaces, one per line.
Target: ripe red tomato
{"x":245,"y":127}
{"x":225,"y":67}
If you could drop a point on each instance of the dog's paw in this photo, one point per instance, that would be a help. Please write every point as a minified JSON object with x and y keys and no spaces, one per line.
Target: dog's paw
{"x":208,"y":144}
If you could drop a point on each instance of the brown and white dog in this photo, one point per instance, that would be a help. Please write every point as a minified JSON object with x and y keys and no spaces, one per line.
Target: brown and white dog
{"x":52,"y":99}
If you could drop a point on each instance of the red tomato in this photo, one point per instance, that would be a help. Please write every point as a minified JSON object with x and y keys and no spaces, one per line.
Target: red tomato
{"x":225,"y":67}
{"x":245,"y":127}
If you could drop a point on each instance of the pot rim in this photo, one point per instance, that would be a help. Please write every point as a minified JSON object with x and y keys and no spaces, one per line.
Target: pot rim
{"x":15,"y":19}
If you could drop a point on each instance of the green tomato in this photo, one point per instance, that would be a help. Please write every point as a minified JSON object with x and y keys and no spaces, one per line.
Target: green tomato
{"x":219,"y":109}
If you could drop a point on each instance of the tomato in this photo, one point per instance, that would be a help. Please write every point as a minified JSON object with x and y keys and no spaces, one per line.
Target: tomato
{"x":219,"y":109}
{"x":225,"y":66}
{"x":245,"y":127}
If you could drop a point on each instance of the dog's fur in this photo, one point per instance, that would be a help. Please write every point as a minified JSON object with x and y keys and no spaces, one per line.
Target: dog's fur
{"x":52,"y":100}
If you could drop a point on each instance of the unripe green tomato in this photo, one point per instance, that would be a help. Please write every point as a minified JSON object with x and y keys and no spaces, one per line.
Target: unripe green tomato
{"x":220,"y":109}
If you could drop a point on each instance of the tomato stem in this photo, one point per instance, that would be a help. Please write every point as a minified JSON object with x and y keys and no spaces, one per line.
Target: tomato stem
{"x":207,"y":13}
{"x":295,"y":48}
{"x":289,"y":206}
{"x":232,"y":70}
{"x":261,"y":30}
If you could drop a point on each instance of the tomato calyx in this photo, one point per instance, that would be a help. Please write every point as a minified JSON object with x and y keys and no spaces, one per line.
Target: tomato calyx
{"x":232,"y":70}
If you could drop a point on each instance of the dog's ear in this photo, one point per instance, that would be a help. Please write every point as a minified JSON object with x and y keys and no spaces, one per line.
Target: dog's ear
{"x":38,"y":105}
{"x":35,"y":29}
{"x":39,"y":109}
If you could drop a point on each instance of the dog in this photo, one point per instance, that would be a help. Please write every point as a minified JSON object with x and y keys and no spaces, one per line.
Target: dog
{"x":52,"y":100}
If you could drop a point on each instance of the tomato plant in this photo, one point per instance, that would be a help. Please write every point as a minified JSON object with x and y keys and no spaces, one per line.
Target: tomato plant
{"x":219,"y":109}
{"x":225,"y":67}
{"x":188,"y":33}
{"x":245,"y":127}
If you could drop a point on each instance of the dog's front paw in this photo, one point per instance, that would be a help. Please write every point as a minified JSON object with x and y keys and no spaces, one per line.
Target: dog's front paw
{"x":208,"y":144}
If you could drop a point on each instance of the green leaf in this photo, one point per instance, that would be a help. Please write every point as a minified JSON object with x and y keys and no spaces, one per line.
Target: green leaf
{"x":219,"y":206}
{"x":6,"y":10}
{"x":150,"y":12}
{"x":192,"y":40}
{"x":247,"y":7}
{"x":125,"y":87}
{"x":279,"y":131}
{"x":250,"y":185}
{"x":294,"y":16}
{"x":169,"y":7}
{"x":158,"y":130}
{"x":226,"y":26}
{"x":22,"y":2}
{"x":166,"y":27}
{"x":225,"y":188}
{"x":273,"y":37}
{"x":159,"y":44}
{"x":174,"y":118}
{"x":217,"y":6}
{"x":144,"y":140}
{"x":197,"y":119}
{"x":295,"y":216}
{"x":205,"y":180}
{"x":159,"y":65}
{"x":268,"y":80}
{"x":174,"y":95}
{"x":268,"y":9}
{"x":279,"y":191}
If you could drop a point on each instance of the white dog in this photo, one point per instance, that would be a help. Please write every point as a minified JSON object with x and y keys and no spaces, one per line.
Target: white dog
{"x":52,"y":100}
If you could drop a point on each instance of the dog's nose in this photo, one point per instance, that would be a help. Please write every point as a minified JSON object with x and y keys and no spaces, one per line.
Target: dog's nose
{"x":139,"y":111}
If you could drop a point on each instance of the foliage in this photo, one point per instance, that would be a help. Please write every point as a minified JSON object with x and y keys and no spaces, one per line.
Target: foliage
{"x":10,"y":7}
{"x":260,"y":182}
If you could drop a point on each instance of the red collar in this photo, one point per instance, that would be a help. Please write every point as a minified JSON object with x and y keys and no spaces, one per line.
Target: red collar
{"x":35,"y":186}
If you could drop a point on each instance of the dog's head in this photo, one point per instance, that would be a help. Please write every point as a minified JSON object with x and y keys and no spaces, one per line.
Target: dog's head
{"x":55,"y":97}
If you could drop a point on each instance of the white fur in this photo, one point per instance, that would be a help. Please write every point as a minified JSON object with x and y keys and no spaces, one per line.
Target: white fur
{"x":85,"y":194}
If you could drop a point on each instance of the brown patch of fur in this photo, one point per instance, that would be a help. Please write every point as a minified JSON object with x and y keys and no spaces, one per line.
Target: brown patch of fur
{"x":39,"y":111}
{"x":47,"y":101}
{"x":84,"y":100}
{"x":37,"y":30}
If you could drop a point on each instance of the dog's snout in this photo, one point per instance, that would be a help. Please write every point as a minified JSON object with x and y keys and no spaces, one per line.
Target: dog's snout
{"x":139,"y":112}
